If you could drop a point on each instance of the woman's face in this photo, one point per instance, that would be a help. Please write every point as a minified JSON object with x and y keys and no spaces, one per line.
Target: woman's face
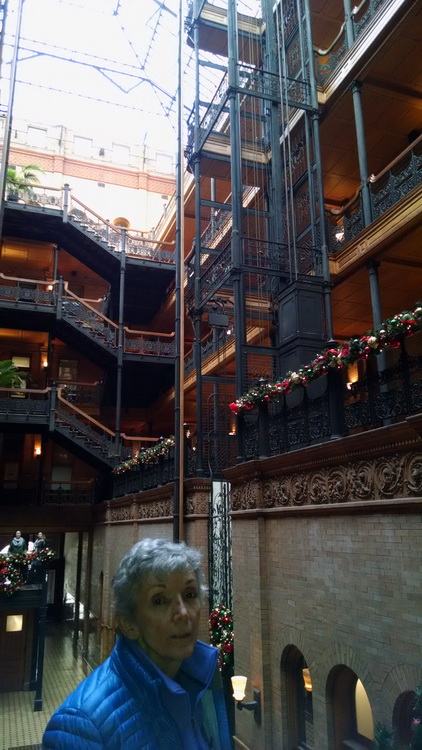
{"x":167,"y":619}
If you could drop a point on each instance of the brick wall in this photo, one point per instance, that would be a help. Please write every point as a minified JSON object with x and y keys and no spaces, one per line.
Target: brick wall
{"x":344,"y":589}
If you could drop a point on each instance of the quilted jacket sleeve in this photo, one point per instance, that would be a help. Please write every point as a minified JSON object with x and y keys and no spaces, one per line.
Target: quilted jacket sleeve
{"x":70,"y":729}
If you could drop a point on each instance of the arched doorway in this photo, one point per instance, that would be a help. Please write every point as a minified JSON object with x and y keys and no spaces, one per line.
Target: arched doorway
{"x":403,"y":717}
{"x":297,"y":700}
{"x":350,"y":722}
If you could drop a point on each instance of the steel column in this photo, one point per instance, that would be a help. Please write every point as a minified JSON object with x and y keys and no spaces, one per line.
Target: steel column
{"x":362,"y":157}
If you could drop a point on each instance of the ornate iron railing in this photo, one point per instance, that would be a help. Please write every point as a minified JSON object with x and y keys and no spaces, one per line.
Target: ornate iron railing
{"x":26,"y":290}
{"x":303,"y":418}
{"x":387,"y":188}
{"x":135,"y":243}
{"x":149,"y":343}
{"x":84,"y":430}
{"x":326,"y":61}
{"x":215,"y":273}
{"x":84,"y":317}
{"x":145,"y":476}
{"x":81,"y":314}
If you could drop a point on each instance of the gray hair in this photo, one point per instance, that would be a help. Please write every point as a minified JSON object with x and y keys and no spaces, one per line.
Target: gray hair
{"x":152,"y":557}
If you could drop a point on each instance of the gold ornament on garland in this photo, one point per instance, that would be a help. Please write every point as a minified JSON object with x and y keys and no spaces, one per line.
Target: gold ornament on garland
{"x":389,"y":333}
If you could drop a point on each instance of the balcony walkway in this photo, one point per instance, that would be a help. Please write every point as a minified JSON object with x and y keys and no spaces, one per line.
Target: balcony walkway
{"x":20,"y":727}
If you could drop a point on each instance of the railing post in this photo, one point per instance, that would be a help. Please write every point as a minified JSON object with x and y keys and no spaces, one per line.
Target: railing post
{"x":160,"y":471}
{"x":335,"y":402}
{"x":404,"y":362}
{"x":263,"y":426}
{"x":66,"y":195}
{"x":186,"y":451}
{"x":59,"y":299}
{"x":52,"y":411}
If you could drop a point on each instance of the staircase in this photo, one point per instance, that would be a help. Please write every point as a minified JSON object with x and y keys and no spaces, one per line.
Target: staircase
{"x":56,"y":215}
{"x":47,"y":411}
{"x":54,"y":306}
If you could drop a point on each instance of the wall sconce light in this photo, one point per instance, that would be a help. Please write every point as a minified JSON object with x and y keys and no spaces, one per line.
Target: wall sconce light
{"x":49,"y":287}
{"x":45,"y":363}
{"x":239,"y":687}
{"x":339,"y":235}
{"x":37,"y":450}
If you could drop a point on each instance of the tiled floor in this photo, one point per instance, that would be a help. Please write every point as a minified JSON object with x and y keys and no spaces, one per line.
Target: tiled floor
{"x":19,"y":725}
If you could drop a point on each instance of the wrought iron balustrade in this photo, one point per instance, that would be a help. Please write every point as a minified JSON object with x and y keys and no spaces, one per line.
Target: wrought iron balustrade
{"x":26,"y":404}
{"x":145,"y":476}
{"x":326,"y":61}
{"x":216,"y":273}
{"x":26,"y":290}
{"x":89,"y":433}
{"x":275,"y":256}
{"x":381,"y":397}
{"x":148,"y":343}
{"x":73,"y":493}
{"x":91,"y":322}
{"x":387,"y":188}
{"x":140,"y":246}
{"x":86,"y":394}
{"x":403,"y":176}
{"x":36,"y":195}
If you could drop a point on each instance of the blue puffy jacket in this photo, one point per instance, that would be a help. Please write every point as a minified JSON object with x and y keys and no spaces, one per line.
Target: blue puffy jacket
{"x":128,"y":703}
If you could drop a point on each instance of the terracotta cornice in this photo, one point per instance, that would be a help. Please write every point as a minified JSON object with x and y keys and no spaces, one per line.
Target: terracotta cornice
{"x":363,"y":507}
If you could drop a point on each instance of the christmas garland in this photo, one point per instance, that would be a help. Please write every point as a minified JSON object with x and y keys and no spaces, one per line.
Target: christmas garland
{"x":146,"y":455}
{"x":12,"y":566}
{"x":11,"y":577}
{"x":221,"y":634}
{"x":389,"y":333}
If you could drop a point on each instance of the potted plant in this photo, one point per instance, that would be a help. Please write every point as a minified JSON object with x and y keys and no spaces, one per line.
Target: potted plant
{"x":10,"y":376}
{"x":19,"y":181}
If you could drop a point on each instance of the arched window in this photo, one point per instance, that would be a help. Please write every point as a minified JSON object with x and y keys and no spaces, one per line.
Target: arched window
{"x":350,"y":723}
{"x":297,"y":699}
{"x":403,"y":717}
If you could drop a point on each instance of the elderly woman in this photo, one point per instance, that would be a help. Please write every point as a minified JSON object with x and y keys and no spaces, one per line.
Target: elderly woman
{"x":160,"y":688}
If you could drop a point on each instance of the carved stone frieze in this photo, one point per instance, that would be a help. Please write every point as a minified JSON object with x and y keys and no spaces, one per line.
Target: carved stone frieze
{"x":156,"y":509}
{"x":122,"y":513}
{"x":197,"y":503}
{"x":246,"y":496}
{"x":383,"y":477}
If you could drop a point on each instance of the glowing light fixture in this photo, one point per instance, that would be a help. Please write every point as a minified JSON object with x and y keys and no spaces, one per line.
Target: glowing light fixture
{"x":239,"y":687}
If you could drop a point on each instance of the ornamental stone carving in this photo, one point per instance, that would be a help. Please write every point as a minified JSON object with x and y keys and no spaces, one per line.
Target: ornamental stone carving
{"x":157,"y":509}
{"x":197,"y":503}
{"x":384,"y":477}
{"x":246,"y":496}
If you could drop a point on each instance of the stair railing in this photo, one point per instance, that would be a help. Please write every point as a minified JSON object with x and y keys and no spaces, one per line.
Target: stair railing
{"x":27,"y":290}
{"x":85,"y":316}
{"x":148,"y":343}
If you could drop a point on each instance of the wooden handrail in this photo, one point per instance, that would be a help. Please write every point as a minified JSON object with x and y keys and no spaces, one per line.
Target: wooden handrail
{"x":139,"y":439}
{"x":29,"y":281}
{"x":341,"y":211}
{"x":83,"y":414}
{"x":26,"y":390}
{"x":36,"y":185}
{"x":148,"y":333}
{"x":77,"y":382}
{"x":153,"y":242}
{"x":325,"y":52}
{"x":79,"y":299}
{"x":374,"y":178}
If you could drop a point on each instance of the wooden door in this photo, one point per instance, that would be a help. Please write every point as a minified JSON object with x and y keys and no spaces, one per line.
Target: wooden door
{"x":13,"y":632}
